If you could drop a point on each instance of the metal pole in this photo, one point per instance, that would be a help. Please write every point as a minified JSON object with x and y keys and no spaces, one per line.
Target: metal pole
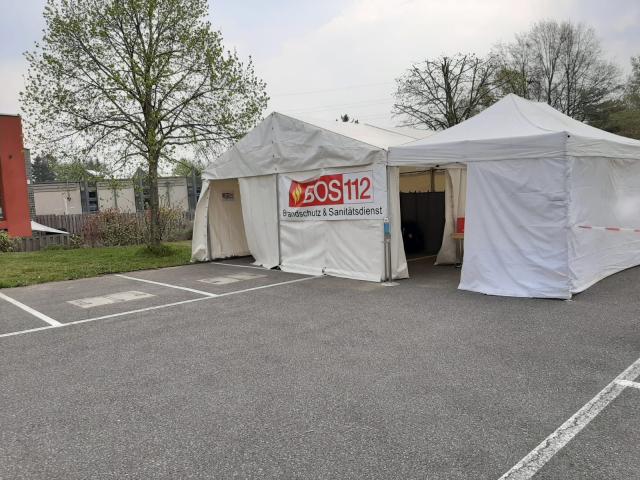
{"x":387,"y":252}
{"x":209,"y":191}
{"x":278,"y":213}
{"x":388,"y":266}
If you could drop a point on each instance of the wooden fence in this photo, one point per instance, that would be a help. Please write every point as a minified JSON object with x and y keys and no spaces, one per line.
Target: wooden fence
{"x":40,"y":242}
{"x":74,"y":223}
{"x":67,"y":223}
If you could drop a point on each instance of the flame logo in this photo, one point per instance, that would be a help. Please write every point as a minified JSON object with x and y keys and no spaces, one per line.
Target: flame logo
{"x":296,"y":194}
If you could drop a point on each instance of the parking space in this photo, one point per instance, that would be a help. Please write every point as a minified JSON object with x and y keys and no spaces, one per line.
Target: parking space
{"x":94,"y":297}
{"x":121,"y":294}
{"x":607,"y":448}
{"x":13,"y":318}
{"x":216,"y":278}
{"x":263,"y":374}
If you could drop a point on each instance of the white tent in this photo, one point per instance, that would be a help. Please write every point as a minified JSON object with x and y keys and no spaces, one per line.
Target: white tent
{"x":38,"y":227}
{"x":310,"y":198}
{"x":552,"y":204}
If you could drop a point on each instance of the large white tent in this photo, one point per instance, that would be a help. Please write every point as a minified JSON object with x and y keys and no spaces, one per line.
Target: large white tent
{"x":552,"y":204}
{"x":307,"y":197}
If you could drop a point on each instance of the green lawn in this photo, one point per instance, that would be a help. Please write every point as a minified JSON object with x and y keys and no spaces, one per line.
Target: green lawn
{"x":19,"y":269}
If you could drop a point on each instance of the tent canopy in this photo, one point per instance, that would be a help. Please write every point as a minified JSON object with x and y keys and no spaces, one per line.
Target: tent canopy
{"x":38,"y":227}
{"x":514,"y":128}
{"x":283,"y":144}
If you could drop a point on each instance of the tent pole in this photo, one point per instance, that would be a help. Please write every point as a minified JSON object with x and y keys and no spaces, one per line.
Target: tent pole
{"x":388,"y":267}
{"x":208,"y":222}
{"x":278,"y":216}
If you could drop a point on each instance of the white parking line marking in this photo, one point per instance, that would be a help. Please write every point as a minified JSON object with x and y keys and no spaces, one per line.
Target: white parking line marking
{"x":539,"y":456}
{"x":266,"y":286}
{"x":156,"y":307}
{"x":35,"y":313}
{"x":139,"y":310}
{"x":629,"y":383}
{"x":104,"y":317}
{"x":31,"y":330}
{"x":177,"y":287}
{"x":110,"y":299}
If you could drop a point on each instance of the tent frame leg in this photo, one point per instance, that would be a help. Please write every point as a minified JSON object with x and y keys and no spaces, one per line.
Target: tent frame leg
{"x":278,"y":216}
{"x":388,"y":266}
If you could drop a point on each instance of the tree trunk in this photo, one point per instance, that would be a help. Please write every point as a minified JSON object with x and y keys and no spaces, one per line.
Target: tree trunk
{"x":154,"y":239}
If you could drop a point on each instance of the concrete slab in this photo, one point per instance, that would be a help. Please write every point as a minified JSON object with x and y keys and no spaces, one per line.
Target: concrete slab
{"x":68,"y":301}
{"x":110,"y":299}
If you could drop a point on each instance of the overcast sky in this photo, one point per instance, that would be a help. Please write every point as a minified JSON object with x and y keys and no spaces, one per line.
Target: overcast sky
{"x":324,"y":58}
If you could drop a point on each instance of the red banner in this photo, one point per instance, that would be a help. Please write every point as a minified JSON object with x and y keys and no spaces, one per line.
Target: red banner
{"x":331,"y":190}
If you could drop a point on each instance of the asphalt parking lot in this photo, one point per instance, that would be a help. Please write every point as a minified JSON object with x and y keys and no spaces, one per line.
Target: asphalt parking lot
{"x":228,"y":371}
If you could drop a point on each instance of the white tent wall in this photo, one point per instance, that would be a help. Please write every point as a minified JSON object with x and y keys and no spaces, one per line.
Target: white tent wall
{"x":342,"y":248}
{"x":516,"y":228}
{"x":227,"y":236}
{"x":455,"y":199}
{"x":281,"y":146}
{"x":398,"y":258}
{"x":260,"y":213}
{"x":605,"y":193}
{"x":200,"y":240}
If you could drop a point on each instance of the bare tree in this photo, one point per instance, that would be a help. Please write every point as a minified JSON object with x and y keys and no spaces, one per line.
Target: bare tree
{"x":445,"y":91}
{"x":561,"y":64}
{"x":138,"y":82}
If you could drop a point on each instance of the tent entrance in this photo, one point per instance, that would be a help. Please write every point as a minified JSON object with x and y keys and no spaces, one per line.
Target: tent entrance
{"x":422,"y":211}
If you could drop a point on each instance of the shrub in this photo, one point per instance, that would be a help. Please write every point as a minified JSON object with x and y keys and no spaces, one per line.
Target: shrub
{"x":110,"y":228}
{"x":76,"y":241}
{"x":172,"y":224}
{"x":6,"y":243}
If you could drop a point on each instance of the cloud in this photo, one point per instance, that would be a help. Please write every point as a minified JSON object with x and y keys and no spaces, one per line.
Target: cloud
{"x":372,"y":42}
{"x":12,"y":83}
{"x":323,"y":47}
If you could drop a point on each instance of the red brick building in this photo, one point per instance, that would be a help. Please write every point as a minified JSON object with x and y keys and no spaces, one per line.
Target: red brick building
{"x":14,"y":197}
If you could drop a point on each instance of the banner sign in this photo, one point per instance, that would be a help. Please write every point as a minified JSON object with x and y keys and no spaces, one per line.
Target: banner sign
{"x":338,"y":196}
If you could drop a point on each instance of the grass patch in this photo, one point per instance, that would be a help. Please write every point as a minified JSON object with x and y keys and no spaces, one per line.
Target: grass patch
{"x":20,"y":269}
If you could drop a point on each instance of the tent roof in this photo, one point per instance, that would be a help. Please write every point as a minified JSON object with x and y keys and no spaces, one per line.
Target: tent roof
{"x":514,"y":128}
{"x":38,"y":227}
{"x":381,"y":137}
{"x":281,"y":144}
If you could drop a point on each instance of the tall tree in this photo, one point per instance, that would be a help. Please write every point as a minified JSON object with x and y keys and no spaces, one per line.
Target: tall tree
{"x":445,"y":91}
{"x":80,"y":171}
{"x":185,"y":168}
{"x":632,"y":88}
{"x":622,"y":115}
{"x":43,"y":168}
{"x":561,"y":64}
{"x":137,"y":81}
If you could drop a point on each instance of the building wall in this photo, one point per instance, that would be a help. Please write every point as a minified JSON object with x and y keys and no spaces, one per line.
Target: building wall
{"x":57,"y":198}
{"x":122,"y":197}
{"x":14,"y":198}
{"x":174,"y":193}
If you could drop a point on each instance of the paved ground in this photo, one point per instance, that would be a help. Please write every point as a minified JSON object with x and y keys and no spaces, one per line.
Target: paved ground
{"x":282,"y":376}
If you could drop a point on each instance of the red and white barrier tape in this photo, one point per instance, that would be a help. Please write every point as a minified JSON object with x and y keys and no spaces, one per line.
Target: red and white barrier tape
{"x":611,"y":229}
